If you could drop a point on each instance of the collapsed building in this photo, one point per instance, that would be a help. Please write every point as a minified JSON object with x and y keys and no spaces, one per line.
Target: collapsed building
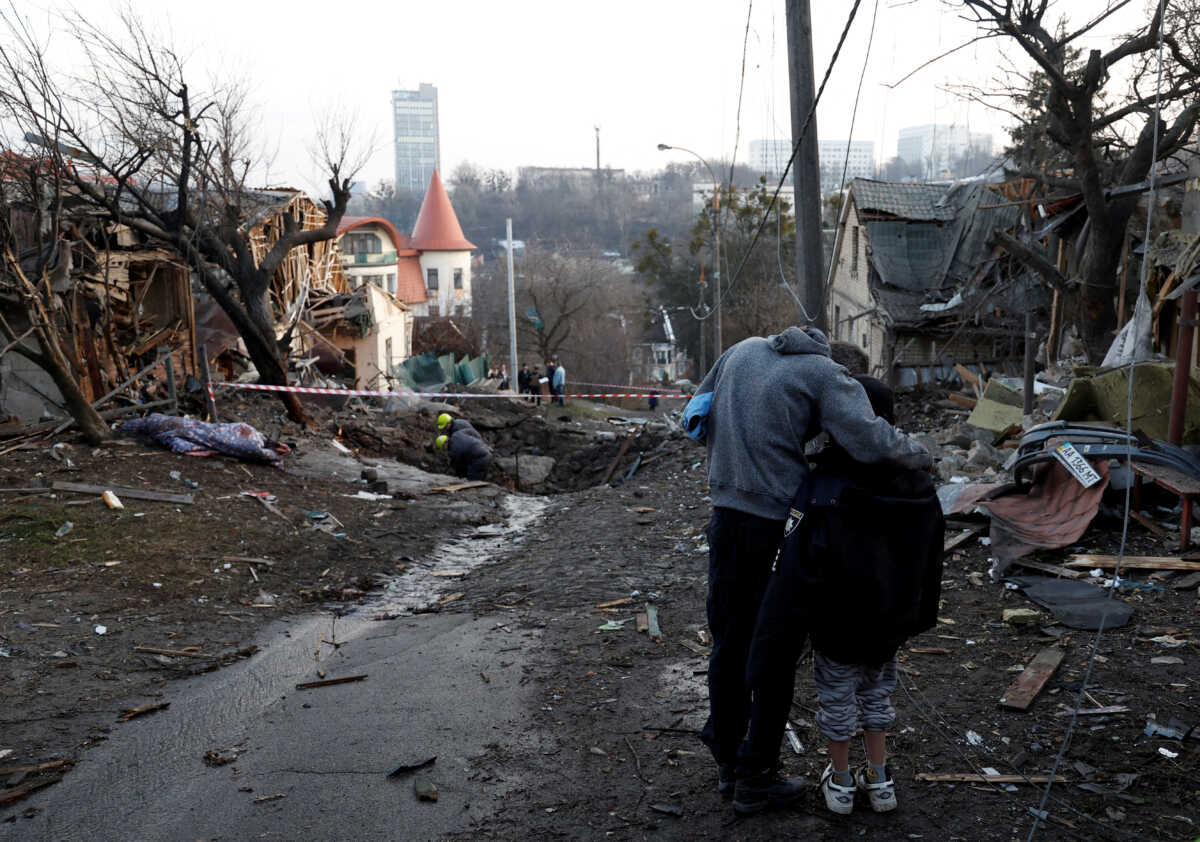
{"x":917,"y":284}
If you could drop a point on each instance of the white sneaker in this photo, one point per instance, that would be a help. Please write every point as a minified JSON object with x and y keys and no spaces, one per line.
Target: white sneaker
{"x":882,"y":794}
{"x":838,"y":798}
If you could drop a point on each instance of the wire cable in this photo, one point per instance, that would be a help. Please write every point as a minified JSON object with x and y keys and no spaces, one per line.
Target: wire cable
{"x":1150,"y":203}
{"x":787,"y":168}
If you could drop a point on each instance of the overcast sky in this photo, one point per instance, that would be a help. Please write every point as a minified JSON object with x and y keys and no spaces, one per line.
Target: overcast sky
{"x":524,"y":82}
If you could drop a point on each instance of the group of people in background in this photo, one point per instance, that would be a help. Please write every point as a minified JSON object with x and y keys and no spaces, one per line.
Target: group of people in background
{"x":552,"y":384}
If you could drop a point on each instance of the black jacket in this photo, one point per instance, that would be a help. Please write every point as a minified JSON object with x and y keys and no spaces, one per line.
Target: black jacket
{"x":868,"y":554}
{"x":469,"y":454}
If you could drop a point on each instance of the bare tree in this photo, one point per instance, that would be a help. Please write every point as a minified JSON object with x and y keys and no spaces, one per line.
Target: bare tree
{"x":145,"y":149}
{"x":1100,"y":137}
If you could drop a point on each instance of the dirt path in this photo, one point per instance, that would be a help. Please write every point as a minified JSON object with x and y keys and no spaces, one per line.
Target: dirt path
{"x":592,"y":730}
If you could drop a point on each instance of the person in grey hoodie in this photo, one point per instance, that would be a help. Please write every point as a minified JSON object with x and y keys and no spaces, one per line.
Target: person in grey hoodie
{"x":769,"y":396}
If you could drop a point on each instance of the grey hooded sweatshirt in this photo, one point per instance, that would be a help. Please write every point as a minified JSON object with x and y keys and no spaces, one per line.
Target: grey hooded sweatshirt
{"x":772,"y":395}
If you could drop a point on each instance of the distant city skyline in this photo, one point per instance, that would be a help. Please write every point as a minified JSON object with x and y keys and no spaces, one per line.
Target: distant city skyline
{"x":512,"y":91}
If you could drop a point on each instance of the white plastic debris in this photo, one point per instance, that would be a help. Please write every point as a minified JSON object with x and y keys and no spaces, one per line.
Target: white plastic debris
{"x":974,"y":739}
{"x":64,"y":529}
{"x":1167,"y":753}
{"x":101,"y":630}
{"x":112,"y":500}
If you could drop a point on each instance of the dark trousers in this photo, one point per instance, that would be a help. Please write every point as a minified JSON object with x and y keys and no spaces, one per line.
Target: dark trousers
{"x":745,"y":723}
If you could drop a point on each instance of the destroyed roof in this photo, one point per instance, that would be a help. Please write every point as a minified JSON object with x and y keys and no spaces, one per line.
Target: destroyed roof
{"x":927,"y":263}
{"x":437,"y":227}
{"x":920,"y":202}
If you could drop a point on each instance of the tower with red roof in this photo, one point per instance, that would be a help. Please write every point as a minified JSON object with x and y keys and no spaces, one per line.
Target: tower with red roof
{"x":445,"y":255}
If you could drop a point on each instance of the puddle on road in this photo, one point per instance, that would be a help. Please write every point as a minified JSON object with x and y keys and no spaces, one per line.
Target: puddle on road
{"x":436,"y":575}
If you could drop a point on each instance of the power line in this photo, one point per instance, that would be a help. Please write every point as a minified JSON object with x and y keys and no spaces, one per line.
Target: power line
{"x":787,"y":168}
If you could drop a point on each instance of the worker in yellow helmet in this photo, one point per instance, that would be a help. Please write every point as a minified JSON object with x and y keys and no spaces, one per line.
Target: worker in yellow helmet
{"x":448,"y":424}
{"x":470,"y":456}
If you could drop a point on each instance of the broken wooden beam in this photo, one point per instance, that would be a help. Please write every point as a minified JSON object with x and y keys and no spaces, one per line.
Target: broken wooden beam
{"x":962,"y":400}
{"x":615,"y":602}
{"x":617,"y":460}
{"x":962,"y":537}
{"x":1133,"y":562}
{"x":11,"y":796}
{"x":1053,"y":569}
{"x":123,"y":491}
{"x":1021,"y":693}
{"x":973,"y":778}
{"x":173,"y":653}
{"x":141,"y":710}
{"x":329,"y":682}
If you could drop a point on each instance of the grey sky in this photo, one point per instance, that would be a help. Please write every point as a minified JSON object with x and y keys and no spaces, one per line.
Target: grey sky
{"x":524,"y":82}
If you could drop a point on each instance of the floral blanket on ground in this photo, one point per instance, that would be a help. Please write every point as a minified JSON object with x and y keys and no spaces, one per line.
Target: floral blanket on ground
{"x":202,"y":438}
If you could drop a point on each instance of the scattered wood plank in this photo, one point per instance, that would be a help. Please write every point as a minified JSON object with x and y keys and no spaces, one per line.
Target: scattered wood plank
{"x":962,"y":400}
{"x":614,"y":603}
{"x":641,"y":622}
{"x":963,"y":537}
{"x":625,"y":443}
{"x":454,"y":597}
{"x":172,"y":653}
{"x":37,"y":767}
{"x":1148,"y":523}
{"x":972,"y":778}
{"x":448,"y":574}
{"x":11,"y":796}
{"x":1053,"y":569}
{"x":249,"y":560}
{"x":1021,"y":693}
{"x":141,"y":710}
{"x":929,"y":650}
{"x":1133,"y":562}
{"x":329,"y":682}
{"x":1096,"y":711}
{"x":461,"y":486}
{"x":124,"y":491}
{"x":695,"y":648}
{"x":643,"y":510}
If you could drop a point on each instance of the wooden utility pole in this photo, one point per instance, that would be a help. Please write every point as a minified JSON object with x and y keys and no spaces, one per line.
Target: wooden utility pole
{"x":597,"y":128}
{"x":1187,"y":317}
{"x":806,"y":168}
{"x":512,"y":310}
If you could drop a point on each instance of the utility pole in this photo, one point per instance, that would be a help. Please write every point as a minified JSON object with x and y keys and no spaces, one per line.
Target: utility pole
{"x":1187,"y":317}
{"x":806,"y":169}
{"x":597,"y":128}
{"x":512,"y":309}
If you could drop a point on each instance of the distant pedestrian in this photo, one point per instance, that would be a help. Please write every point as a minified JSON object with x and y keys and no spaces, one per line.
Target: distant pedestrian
{"x":504,"y":384}
{"x":559,"y":381}
{"x":525,"y":380}
{"x":653,"y":401}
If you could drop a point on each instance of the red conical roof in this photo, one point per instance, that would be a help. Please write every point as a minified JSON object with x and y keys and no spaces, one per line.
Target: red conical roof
{"x":437,"y":227}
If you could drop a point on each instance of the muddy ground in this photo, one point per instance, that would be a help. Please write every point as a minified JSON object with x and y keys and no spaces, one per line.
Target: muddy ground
{"x":616,"y":712}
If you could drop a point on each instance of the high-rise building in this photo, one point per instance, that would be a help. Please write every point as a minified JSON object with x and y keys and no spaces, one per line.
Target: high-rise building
{"x":418,"y":149}
{"x":939,"y":150}
{"x":771,"y":156}
{"x":856,"y":160}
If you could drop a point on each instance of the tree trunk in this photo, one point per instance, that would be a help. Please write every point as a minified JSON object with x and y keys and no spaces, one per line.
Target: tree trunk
{"x":1099,"y":269}
{"x":264,"y":352}
{"x":54,"y":362}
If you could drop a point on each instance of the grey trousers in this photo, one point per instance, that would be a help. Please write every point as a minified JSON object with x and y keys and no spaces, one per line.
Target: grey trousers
{"x":852,"y":695}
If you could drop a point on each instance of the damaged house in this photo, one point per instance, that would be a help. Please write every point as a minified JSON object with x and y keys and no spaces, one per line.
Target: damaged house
{"x":120,"y":305}
{"x":917,"y":285}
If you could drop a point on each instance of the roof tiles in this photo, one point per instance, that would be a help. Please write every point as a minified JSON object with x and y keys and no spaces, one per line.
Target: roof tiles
{"x":437,"y":227}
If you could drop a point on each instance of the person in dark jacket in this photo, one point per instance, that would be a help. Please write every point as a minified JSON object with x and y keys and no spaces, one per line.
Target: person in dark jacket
{"x":470,"y":456}
{"x":449,"y":425}
{"x":524,"y":380}
{"x":860,"y":569}
{"x":768,"y":397}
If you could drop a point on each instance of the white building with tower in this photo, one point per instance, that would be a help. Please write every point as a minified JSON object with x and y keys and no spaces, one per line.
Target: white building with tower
{"x":417,"y":145}
{"x":445,"y":255}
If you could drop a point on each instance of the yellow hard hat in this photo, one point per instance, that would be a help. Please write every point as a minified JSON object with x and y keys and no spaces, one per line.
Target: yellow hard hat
{"x":440,"y":442}
{"x":443,"y":420}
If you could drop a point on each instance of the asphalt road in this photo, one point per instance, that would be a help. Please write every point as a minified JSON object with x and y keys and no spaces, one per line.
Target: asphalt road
{"x":325,"y":750}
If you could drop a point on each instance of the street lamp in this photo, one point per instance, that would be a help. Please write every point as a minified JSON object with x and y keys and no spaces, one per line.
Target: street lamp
{"x":716,"y":207}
